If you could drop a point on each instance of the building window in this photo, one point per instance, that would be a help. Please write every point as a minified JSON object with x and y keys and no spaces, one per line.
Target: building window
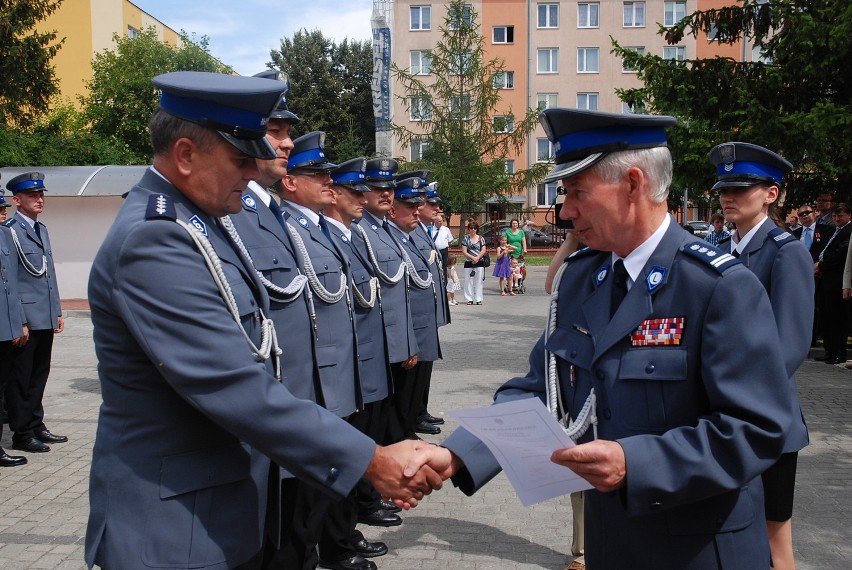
{"x":466,"y":17}
{"x":504,"y":124}
{"x":421,"y":18}
{"x":548,"y":15}
{"x":587,"y":101}
{"x":546,"y":193}
{"x":629,"y":109}
{"x":625,"y":67}
{"x":677,"y":53}
{"x":421,"y":63}
{"x":713,"y":32}
{"x":509,"y":166}
{"x":673,"y":12}
{"x":543,"y":150}
{"x":634,"y":14}
{"x":460,"y":63}
{"x":132,"y":32}
{"x":460,"y":106}
{"x":504,"y":34}
{"x":588,"y":15}
{"x":421,"y":109}
{"x":588,"y":60}
{"x":418,"y":149}
{"x":548,"y":60}
{"x":547,"y":101}
{"x":504,"y":80}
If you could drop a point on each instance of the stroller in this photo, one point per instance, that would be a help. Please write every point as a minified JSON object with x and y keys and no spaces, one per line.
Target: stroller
{"x":523,"y":266}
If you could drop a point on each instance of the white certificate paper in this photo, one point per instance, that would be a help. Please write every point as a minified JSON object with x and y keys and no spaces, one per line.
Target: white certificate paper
{"x":522,"y":435}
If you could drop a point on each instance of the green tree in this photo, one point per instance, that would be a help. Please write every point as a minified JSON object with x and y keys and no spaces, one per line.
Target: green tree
{"x":330,"y":90}
{"x":121,"y":97}
{"x":796,"y":98}
{"x":27,"y":79}
{"x":468,"y":134}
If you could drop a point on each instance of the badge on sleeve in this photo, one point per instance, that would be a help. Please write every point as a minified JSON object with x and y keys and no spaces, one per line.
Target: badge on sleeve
{"x":659,"y":332}
{"x":249,"y":201}
{"x":199,"y":224}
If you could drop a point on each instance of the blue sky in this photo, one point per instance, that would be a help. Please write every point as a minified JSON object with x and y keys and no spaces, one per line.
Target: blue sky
{"x":243,"y":32}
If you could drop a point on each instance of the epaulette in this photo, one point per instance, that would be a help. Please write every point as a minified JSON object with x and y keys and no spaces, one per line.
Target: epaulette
{"x":781,"y":237}
{"x":160,"y":207}
{"x":9,"y":223}
{"x":715,"y":258}
{"x":586,"y":251}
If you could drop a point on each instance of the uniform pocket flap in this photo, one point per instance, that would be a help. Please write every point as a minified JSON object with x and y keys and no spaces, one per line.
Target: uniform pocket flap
{"x":654,"y":364}
{"x":271,"y":258}
{"x":204,"y":468}
{"x":572,"y":345}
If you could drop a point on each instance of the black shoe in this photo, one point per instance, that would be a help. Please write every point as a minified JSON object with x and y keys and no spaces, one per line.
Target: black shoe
{"x":369,"y":549}
{"x":7,"y":460}
{"x":426,"y":427}
{"x":357,"y":562}
{"x":427,"y":417}
{"x":390,"y":507}
{"x":47,"y":437}
{"x":823,"y":357}
{"x":835,"y":360}
{"x":380,"y":517}
{"x":32,"y":445}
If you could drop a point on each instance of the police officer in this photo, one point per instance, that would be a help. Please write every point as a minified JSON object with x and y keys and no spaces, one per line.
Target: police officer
{"x":12,"y":331}
{"x":3,"y":205}
{"x":192,"y":409}
{"x":42,"y":316}
{"x":674,"y":427}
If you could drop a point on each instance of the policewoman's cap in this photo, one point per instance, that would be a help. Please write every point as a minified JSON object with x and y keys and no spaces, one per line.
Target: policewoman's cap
{"x":281,"y":111}
{"x":351,"y":175}
{"x":308,"y":153}
{"x":26,"y":182}
{"x":380,"y":172}
{"x":423,"y":175}
{"x":583,"y":138}
{"x":408,"y":190}
{"x":237,"y":107}
{"x":741,"y":164}
{"x":3,"y":202}
{"x":431,"y":193}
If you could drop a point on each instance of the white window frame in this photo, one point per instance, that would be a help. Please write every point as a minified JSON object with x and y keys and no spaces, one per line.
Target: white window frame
{"x":671,"y":11}
{"x":635,"y":8}
{"x":539,"y":155}
{"x":507,"y":31}
{"x":457,"y":101}
{"x":420,"y":9}
{"x":508,"y":123}
{"x":418,"y":147}
{"x":583,"y":54}
{"x":586,"y":12}
{"x":552,"y":56}
{"x":549,"y":9}
{"x":420,"y":109}
{"x":462,"y":65}
{"x":132,"y":33}
{"x":467,"y":17}
{"x":547,"y":98}
{"x":509,"y":166}
{"x":638,"y":49}
{"x":588,"y":100}
{"x":421,"y":64}
{"x":504,"y":80}
{"x":546,"y":191}
{"x":679,"y":53}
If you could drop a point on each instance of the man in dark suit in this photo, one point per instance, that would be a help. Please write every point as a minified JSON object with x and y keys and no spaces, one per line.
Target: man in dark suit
{"x":646,"y":365}
{"x":192,"y":408}
{"x":42,"y":317}
{"x":829,"y":270}
{"x":812,"y":234}
{"x":825,"y":209}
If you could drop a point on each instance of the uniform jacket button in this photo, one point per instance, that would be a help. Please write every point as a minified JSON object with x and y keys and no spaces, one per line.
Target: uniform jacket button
{"x":573,"y":353}
{"x":275,"y":260}
{"x":650,"y":368}
{"x":333,"y":474}
{"x":656,"y":505}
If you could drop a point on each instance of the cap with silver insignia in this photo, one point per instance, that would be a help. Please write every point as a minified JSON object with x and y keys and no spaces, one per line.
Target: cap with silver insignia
{"x":308,"y":153}
{"x":237,"y":107}
{"x":583,"y":138}
{"x":408,"y":191}
{"x":432,"y":193}
{"x":741,"y":165}
{"x":423,"y":175}
{"x":351,"y":175}
{"x":380,"y":172}
{"x":26,"y":182}
{"x":281,"y":111}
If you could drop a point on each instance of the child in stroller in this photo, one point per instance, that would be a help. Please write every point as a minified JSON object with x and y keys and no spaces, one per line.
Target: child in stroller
{"x":519,"y":274}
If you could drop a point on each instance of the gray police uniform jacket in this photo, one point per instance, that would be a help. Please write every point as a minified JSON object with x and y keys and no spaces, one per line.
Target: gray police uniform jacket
{"x":39,"y":293}
{"x":699,"y":421}
{"x":422,"y":301}
{"x":399,"y":329}
{"x":334,"y":333}
{"x":369,"y":322}
{"x":784,"y":267}
{"x":272,"y":253}
{"x":11,"y":314}
{"x":430,"y":252}
{"x":189,"y":418}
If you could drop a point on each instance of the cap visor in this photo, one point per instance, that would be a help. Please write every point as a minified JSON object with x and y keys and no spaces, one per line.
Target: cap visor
{"x":258,"y":148}
{"x":735,"y":184}
{"x":411,"y":199}
{"x":574,"y":167}
{"x":381,"y":183}
{"x":285,"y":116}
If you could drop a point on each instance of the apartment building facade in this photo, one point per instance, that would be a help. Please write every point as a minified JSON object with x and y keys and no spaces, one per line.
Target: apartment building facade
{"x":556,"y":54}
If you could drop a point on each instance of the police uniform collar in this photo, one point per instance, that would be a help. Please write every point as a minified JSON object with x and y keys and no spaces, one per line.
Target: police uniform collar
{"x":260,"y":192}
{"x":399,"y":229}
{"x":306,"y":212}
{"x":26,"y":218}
{"x":740,"y":243}
{"x":636,"y":260}
{"x":340,"y":227}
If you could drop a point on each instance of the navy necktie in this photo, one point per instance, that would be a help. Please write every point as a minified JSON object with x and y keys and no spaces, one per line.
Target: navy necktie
{"x":37,"y":229}
{"x":276,"y":209}
{"x":324,"y":227}
{"x":619,"y":286}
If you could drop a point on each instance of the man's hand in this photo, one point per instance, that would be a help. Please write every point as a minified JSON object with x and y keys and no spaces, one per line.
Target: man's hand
{"x":600,"y":462}
{"x":409,"y":362}
{"x":439,"y":459}
{"x":385,"y":472}
{"x":22,"y":340}
{"x":61,"y":326}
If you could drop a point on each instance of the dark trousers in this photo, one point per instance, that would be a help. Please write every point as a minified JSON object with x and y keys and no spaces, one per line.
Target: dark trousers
{"x":303,"y":509}
{"x":835,"y":320}
{"x":25,"y":389}
{"x":408,"y":393}
{"x":6,"y":350}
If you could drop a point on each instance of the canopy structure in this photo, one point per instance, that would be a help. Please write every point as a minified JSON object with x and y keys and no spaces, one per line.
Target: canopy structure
{"x":81,"y":180}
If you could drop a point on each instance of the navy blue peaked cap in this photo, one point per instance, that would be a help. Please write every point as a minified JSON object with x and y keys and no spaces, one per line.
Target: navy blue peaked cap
{"x":423,"y":175}
{"x":583,"y":138}
{"x":408,"y":190}
{"x":741,"y":164}
{"x":308,"y":152}
{"x":281,"y":111}
{"x":26,"y":182}
{"x":237,"y":107}
{"x":351,"y":174}
{"x":380,"y":172}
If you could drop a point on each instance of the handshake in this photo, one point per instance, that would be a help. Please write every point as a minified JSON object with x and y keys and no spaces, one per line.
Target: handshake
{"x":409,"y":470}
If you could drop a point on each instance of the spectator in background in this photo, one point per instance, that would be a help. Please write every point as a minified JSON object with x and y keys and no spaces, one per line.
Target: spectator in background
{"x":792,"y":221}
{"x":527,"y":224}
{"x":718,"y":233}
{"x":517,"y":239}
{"x":812,"y":234}
{"x":442,"y":236}
{"x":829,"y":268}
{"x":473,"y":249}
{"x":824,"y":204}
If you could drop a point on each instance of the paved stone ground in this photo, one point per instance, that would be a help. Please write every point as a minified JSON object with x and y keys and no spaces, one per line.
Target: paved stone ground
{"x":43,"y":505}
